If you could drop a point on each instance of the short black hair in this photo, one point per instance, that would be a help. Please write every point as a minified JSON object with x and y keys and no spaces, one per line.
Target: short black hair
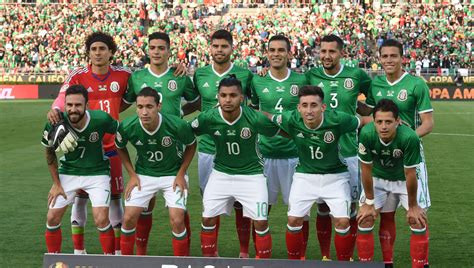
{"x":78,"y":89}
{"x":160,"y":36}
{"x":222,"y":34}
{"x":333,"y":38}
{"x":392,"y":43}
{"x":230,"y":81}
{"x":311,"y":91}
{"x":386,"y":105}
{"x":101,"y":37}
{"x":149,"y":92}
{"x":280,"y":37}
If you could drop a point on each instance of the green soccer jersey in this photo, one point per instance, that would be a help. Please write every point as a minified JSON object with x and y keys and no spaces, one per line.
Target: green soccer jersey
{"x":170,"y":88}
{"x":236,"y":142}
{"x":158,"y":152}
{"x":340,"y":93}
{"x":275,"y":96}
{"x":410,"y":93}
{"x":88,"y":158}
{"x":389,"y":160}
{"x":206,"y":81}
{"x":318,"y":148}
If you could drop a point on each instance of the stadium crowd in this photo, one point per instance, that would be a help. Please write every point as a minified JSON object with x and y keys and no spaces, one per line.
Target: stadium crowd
{"x":45,"y":38}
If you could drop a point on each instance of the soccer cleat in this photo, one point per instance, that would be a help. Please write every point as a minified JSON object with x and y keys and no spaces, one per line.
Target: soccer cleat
{"x":326,"y":259}
{"x":243,"y":255}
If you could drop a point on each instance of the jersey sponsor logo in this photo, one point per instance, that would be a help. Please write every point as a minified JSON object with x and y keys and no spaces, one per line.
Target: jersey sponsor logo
{"x":94,"y":136}
{"x":280,"y":89}
{"x":195,"y":123}
{"x":245,"y":133}
{"x":349,"y":84}
{"x":144,"y":85}
{"x":300,"y":135}
{"x":158,"y":84}
{"x":102,"y":87}
{"x":172,"y":85}
{"x":64,"y":87}
{"x":119,"y":136}
{"x":265,"y":90}
{"x":230,"y":132}
{"x":314,"y":137}
{"x":89,"y":89}
{"x":294,"y":90}
{"x":397,"y":153}
{"x":385,"y":152}
{"x":114,"y":86}
{"x":217,"y":133}
{"x":152,"y":141}
{"x":328,"y":137}
{"x":362,"y":149}
{"x":390,"y":93}
{"x":138,"y":143}
{"x":402,"y":95}
{"x":166,"y":141}
{"x":334,"y":83}
{"x":379,"y":94}
{"x":205,"y":84}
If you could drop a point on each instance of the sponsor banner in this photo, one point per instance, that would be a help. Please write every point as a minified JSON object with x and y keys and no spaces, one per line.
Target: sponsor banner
{"x":70,"y":261}
{"x":32,"y":79}
{"x":11,"y":92}
{"x":452,"y":93}
{"x":440,"y":79}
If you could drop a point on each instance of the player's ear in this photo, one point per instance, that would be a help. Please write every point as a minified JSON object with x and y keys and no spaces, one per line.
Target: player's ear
{"x":323,"y":107}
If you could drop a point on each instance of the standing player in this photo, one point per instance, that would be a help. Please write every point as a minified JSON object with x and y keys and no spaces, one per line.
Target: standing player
{"x":411,"y":95}
{"x":160,"y":166}
{"x":389,"y":154}
{"x":106,"y":84}
{"x":206,"y":81}
{"x":320,"y":175}
{"x":341,"y":85}
{"x":274,"y":93}
{"x":237,"y":174}
{"x":171,"y":89}
{"x":84,"y":168}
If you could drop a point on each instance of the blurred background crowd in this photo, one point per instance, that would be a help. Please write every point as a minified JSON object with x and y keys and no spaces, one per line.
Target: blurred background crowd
{"x":48,"y":38}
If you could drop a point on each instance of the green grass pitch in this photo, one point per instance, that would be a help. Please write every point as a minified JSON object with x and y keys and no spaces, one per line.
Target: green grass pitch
{"x":25,"y":183}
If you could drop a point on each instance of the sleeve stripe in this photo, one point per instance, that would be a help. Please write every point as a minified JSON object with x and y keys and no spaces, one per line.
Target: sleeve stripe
{"x":120,"y":147}
{"x":416,"y":165}
{"x":370,"y":106}
{"x":192,"y":101}
{"x":124,"y":100}
{"x":45,"y":145}
{"x":358,"y":122}
{"x":425,"y":111}
{"x":365,"y":162}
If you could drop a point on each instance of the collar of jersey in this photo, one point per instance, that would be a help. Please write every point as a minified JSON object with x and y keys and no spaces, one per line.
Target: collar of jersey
{"x":333,"y":76}
{"x":224,"y":73}
{"x":396,"y":81}
{"x":88,"y":119}
{"x":154,"y":131}
{"x":227,"y":122}
{"x":320,"y":124}
{"x":279,"y":80}
{"x":158,"y":75}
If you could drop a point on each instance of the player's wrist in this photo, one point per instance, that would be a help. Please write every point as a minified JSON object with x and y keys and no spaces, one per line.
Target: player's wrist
{"x":367,"y":201}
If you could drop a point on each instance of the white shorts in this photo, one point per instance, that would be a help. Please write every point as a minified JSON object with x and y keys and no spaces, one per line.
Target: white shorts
{"x":423,"y":193}
{"x":279,"y":173}
{"x":150,"y":186}
{"x":332,"y":189}
{"x":205,"y":166}
{"x":388,"y":195}
{"x":223,"y":190}
{"x":98,"y":188}
{"x":354,"y":180}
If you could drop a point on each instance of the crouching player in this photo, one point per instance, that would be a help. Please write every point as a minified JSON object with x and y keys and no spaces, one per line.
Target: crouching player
{"x":160,"y":167}
{"x":389,"y":154}
{"x":82,"y":168}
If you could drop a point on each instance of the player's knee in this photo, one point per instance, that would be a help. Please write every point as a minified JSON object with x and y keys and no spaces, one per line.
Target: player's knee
{"x":177,"y":222}
{"x":209,"y":222}
{"x":53,"y":219}
{"x":341,"y":223}
{"x":101,"y":219}
{"x":260,"y":225}
{"x":367,"y":222}
{"x":295,"y":221}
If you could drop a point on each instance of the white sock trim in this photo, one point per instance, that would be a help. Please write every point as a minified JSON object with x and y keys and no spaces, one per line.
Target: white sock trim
{"x":323,"y":213}
{"x":365,"y":229}
{"x":342,"y":231}
{"x":127,"y":231}
{"x":294,"y":229}
{"x":105,"y":228}
{"x":53,"y":227}
{"x":418,"y":230}
{"x":265,"y":231}
{"x":182,"y":234}
{"x":146,"y":213}
{"x":209,"y":228}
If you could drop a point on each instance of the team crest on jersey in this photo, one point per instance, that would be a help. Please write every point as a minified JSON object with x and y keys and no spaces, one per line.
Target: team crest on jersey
{"x":245,"y":133}
{"x":402,"y":95}
{"x":348,"y":84}
{"x":172,"y":85}
{"x":114,"y":87}
{"x":195,"y":123}
{"x":166,"y":141}
{"x":362,"y":149}
{"x":294,"y":90}
{"x":397,"y":153}
{"x":94,"y":136}
{"x":328,"y":137}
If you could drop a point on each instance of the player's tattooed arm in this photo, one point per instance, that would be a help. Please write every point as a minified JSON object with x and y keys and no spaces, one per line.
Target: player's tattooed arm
{"x":51,"y":158}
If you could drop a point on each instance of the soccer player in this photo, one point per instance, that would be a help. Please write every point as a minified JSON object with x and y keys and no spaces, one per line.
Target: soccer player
{"x":411,"y":94}
{"x":106,"y":85}
{"x":206,"y":81}
{"x":171,"y":89}
{"x":238,"y":173}
{"x":320,"y":175}
{"x":389,"y":153}
{"x":341,"y":85}
{"x":160,"y":166}
{"x":84,"y":168}
{"x":274,"y":93}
